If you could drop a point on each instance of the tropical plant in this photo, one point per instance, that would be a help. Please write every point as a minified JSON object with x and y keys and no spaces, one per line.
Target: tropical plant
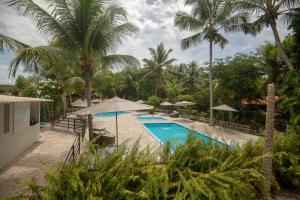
{"x":194,"y":170}
{"x":156,"y":64}
{"x":173,"y":89}
{"x":208,"y":18}
{"x":268,"y":13}
{"x":103,"y":83}
{"x":127,"y":83}
{"x":272,"y":66}
{"x":82,"y":33}
{"x":191,"y":76}
{"x":153,"y":101}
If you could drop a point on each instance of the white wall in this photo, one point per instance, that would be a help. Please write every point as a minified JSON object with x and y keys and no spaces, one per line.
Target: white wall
{"x":21,"y":135}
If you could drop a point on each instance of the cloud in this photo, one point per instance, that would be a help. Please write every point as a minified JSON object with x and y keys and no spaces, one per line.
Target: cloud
{"x":155,"y":19}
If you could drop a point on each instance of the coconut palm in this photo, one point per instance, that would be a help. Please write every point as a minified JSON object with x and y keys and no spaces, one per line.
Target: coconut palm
{"x":83,"y":33}
{"x":191,"y":75}
{"x":208,"y":18}
{"x":156,"y":64}
{"x":268,"y":12}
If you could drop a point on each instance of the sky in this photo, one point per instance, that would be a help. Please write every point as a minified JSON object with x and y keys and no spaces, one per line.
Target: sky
{"x":154,"y":18}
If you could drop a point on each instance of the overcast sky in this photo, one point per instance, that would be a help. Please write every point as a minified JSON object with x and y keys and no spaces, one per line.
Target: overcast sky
{"x":155,"y":19}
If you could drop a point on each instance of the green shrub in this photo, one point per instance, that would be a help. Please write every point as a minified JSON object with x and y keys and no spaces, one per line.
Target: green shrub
{"x":194,"y":170}
{"x":153,"y":101}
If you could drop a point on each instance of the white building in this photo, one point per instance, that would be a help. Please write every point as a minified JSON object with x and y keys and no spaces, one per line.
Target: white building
{"x":19,"y":125}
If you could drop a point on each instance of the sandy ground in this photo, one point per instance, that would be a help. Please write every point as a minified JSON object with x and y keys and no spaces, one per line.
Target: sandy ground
{"x":51,"y":148}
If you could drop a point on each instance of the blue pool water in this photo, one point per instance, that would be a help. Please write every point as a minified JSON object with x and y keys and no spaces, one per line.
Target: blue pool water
{"x":146,"y":118}
{"x":173,"y":132}
{"x":110,"y":114}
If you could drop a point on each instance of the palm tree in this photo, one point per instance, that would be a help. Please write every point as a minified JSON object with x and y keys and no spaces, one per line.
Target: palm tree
{"x":173,"y":89}
{"x":156,"y":65}
{"x":191,"y":75}
{"x":208,"y":18}
{"x":269,"y":11}
{"x":83,"y":33}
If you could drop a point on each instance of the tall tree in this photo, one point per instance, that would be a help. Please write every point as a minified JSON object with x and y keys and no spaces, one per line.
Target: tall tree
{"x":83,"y":31}
{"x":208,"y":18}
{"x":156,"y":64}
{"x":268,"y":12}
{"x":191,"y":76}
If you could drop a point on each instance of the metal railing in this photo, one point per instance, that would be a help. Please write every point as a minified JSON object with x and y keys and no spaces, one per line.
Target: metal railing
{"x":246,"y":128}
{"x":71,"y":125}
{"x":74,"y":151}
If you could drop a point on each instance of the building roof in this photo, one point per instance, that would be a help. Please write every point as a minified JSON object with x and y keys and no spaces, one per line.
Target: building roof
{"x":15,"y":99}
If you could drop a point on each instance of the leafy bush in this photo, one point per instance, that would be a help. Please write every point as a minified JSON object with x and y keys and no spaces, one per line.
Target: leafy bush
{"x":194,"y":170}
{"x":153,"y":101}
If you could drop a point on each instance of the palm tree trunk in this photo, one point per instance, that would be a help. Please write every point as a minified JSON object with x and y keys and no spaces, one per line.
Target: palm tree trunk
{"x":89,"y":101}
{"x":210,"y":85}
{"x":268,"y":144}
{"x":279,"y":45}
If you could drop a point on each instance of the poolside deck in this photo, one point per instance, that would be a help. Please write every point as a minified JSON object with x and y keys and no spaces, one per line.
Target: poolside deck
{"x":51,"y":148}
{"x":131,"y":129}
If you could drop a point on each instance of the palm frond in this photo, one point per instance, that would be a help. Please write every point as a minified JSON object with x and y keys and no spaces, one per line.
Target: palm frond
{"x":11,"y":44}
{"x":192,"y":40}
{"x":36,"y":57}
{"x":119,"y":60}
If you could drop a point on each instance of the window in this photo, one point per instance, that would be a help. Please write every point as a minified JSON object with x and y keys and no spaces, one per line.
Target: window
{"x":6,"y":118}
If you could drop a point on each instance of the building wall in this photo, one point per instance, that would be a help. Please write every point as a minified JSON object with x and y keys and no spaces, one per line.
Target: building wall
{"x":21,"y":135}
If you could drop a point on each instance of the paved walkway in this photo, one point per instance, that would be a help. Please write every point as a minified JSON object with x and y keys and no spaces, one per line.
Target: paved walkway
{"x":131,"y":130}
{"x":51,"y":148}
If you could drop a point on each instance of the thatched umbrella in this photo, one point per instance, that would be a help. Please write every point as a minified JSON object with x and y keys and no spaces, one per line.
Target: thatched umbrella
{"x":115,"y":105}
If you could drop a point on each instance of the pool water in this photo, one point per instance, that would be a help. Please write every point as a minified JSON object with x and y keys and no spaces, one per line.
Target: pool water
{"x":110,"y":114}
{"x":146,"y":118}
{"x":174,"y":133}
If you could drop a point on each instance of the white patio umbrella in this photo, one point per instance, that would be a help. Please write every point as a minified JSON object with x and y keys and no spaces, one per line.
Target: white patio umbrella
{"x":165,"y":103}
{"x":116,"y":105}
{"x":184,"y":103}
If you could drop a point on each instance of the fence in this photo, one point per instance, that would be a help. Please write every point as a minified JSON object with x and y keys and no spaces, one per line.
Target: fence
{"x":246,"y":128}
{"x":74,"y":151}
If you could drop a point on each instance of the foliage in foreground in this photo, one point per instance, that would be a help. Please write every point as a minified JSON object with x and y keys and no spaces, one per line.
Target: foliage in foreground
{"x":194,"y":170}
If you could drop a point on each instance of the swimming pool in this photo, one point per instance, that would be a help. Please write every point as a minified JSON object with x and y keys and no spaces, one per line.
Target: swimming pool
{"x":110,"y":114}
{"x":147,"y":118}
{"x":174,"y":133}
